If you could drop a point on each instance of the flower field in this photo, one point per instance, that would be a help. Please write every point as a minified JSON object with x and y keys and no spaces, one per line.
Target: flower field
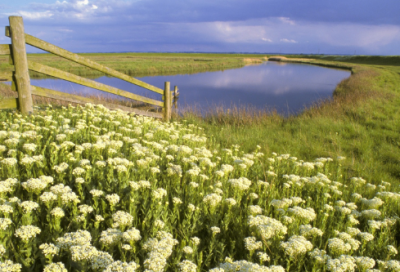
{"x":89,"y":189}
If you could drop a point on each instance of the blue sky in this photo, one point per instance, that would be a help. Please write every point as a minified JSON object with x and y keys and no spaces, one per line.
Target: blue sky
{"x":368,"y":27}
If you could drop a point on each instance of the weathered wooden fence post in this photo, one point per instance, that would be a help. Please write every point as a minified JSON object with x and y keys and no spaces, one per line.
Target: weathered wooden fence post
{"x":167,"y":102}
{"x":175,"y":96}
{"x":21,"y":76}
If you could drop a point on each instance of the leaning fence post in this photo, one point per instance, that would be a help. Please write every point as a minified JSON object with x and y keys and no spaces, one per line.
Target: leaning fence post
{"x":167,"y":102}
{"x":21,"y":76}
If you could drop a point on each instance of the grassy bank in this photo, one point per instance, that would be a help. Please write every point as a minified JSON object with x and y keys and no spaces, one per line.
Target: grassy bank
{"x":140,"y":64}
{"x":361,"y":122}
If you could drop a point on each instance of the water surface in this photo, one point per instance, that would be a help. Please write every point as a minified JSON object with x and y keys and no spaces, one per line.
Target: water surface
{"x":285,"y":87}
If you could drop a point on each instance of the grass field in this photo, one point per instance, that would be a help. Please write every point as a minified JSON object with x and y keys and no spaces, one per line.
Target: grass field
{"x":139,"y":64}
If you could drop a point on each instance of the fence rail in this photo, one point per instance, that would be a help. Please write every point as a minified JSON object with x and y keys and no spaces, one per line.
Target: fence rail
{"x":6,"y":76}
{"x":5,"y":49}
{"x":43,"y":69}
{"x":21,"y":80}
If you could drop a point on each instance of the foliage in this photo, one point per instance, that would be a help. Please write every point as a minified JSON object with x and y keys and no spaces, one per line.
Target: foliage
{"x":88,"y":189}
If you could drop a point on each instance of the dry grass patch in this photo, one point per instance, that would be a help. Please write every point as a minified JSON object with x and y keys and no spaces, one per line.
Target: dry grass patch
{"x":277,"y":58}
{"x":248,"y":61}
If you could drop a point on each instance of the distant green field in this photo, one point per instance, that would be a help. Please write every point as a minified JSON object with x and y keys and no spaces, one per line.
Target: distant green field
{"x":372,"y":60}
{"x":139,"y":64}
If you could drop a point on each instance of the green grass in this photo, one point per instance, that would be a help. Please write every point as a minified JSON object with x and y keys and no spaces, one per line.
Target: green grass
{"x":140,"y":64}
{"x":372,"y":60}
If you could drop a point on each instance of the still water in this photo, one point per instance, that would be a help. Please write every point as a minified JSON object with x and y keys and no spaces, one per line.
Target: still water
{"x":288,"y":88}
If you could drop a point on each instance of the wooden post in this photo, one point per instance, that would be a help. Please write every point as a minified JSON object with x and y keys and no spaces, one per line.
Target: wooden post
{"x":21,"y":78}
{"x":175,"y":100}
{"x":167,"y":102}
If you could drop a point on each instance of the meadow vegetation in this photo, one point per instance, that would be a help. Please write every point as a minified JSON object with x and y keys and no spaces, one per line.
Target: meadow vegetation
{"x":88,"y":189}
{"x":140,"y":64}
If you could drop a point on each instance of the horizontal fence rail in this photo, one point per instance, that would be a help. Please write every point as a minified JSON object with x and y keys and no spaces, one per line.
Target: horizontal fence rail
{"x":8,"y":103}
{"x":6,"y":76}
{"x":11,"y":103}
{"x":40,"y":68}
{"x":44,"y":92}
{"x":24,"y":91}
{"x":5,"y":49}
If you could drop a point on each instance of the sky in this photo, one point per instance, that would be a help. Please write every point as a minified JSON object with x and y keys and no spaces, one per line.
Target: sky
{"x":362,"y":27}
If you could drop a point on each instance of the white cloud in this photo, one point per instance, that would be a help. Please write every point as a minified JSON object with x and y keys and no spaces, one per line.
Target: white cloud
{"x":288,"y":41}
{"x":36,"y":15}
{"x":129,"y":24}
{"x":82,"y":3}
{"x":65,"y":30}
{"x":88,"y":10}
{"x":356,"y":34}
{"x":286,"y":20}
{"x":272,"y":30}
{"x":232,"y":32}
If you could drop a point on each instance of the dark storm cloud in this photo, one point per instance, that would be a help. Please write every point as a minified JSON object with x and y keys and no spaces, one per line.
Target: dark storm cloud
{"x":350,"y":11}
{"x":282,"y":26}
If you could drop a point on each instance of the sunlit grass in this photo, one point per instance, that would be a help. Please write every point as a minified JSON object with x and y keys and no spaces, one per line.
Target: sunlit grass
{"x":360,"y":122}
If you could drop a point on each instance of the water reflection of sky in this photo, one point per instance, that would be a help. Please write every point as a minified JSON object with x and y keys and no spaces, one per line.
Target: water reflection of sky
{"x":287,"y":88}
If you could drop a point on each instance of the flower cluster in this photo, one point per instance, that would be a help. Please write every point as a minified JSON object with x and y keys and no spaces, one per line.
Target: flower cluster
{"x":104,"y":190}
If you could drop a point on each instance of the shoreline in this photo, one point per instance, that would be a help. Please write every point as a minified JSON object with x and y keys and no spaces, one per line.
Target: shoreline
{"x":360,"y":122}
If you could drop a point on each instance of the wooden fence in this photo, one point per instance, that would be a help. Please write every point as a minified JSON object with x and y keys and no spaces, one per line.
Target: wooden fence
{"x":21,"y":81}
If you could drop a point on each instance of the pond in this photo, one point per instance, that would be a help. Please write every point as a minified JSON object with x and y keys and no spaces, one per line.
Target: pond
{"x":285,"y":87}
